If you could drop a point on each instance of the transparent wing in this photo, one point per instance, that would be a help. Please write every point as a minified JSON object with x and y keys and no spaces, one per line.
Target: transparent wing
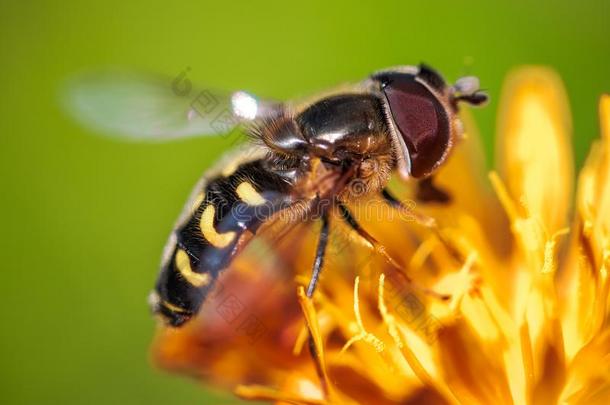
{"x":146,"y":107}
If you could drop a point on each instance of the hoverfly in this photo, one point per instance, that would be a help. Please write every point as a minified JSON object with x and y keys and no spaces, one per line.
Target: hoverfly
{"x":303,"y":159}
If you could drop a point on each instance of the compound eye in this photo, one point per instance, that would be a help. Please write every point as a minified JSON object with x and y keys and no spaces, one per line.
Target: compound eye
{"x":421,"y":120}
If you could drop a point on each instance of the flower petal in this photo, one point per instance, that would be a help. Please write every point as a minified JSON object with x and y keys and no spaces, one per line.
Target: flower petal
{"x":584,"y":280}
{"x":238,"y":328}
{"x":464,"y":177}
{"x":603,"y":177}
{"x":471,"y":367}
{"x":533,"y":147}
{"x":589,"y":377}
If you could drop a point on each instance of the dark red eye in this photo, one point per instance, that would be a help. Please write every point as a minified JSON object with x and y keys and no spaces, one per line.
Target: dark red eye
{"x":421,"y":119}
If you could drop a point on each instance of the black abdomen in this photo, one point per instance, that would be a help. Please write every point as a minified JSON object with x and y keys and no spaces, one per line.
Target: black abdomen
{"x":207,"y":239}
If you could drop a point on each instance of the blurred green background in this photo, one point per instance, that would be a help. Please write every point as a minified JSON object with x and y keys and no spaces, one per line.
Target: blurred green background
{"x":84,"y":218}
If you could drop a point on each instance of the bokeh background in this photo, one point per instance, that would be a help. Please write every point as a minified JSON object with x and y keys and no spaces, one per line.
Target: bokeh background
{"x":84,"y":218}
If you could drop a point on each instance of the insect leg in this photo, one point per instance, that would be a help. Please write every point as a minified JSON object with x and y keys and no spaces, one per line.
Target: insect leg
{"x":319,"y":259}
{"x":315,"y":275}
{"x":379,"y":248}
{"x":420,"y":218}
{"x":427,"y":191}
{"x":423,"y":220}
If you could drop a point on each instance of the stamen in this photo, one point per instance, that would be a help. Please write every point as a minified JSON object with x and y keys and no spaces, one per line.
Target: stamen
{"x":498,"y":315}
{"x":549,"y":266}
{"x":390,"y":321}
{"x":300,"y":341}
{"x":410,"y":357}
{"x":362,"y":334}
{"x":387,"y":317}
{"x":529,"y":230}
{"x":422,"y":252}
{"x":527,"y":356}
{"x":457,"y":296}
{"x":504,"y":197}
{"x":317,"y":348}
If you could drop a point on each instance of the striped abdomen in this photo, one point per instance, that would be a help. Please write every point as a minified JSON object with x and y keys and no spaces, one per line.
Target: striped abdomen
{"x":224,"y":213}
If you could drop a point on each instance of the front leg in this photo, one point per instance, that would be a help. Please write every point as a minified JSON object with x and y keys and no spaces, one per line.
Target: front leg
{"x":425,"y":221}
{"x":318,"y":262}
{"x":428,"y":192}
{"x":347,"y":216}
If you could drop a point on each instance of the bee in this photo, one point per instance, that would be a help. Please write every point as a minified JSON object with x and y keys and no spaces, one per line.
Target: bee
{"x":305,"y":158}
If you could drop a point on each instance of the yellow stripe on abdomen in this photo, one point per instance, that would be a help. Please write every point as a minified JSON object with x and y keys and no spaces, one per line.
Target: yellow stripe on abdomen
{"x":206,"y":224}
{"x":183,"y":264}
{"x":174,"y":308}
{"x":246,"y":192}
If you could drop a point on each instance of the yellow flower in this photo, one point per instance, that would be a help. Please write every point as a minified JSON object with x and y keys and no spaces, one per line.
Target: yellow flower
{"x":503,"y":299}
